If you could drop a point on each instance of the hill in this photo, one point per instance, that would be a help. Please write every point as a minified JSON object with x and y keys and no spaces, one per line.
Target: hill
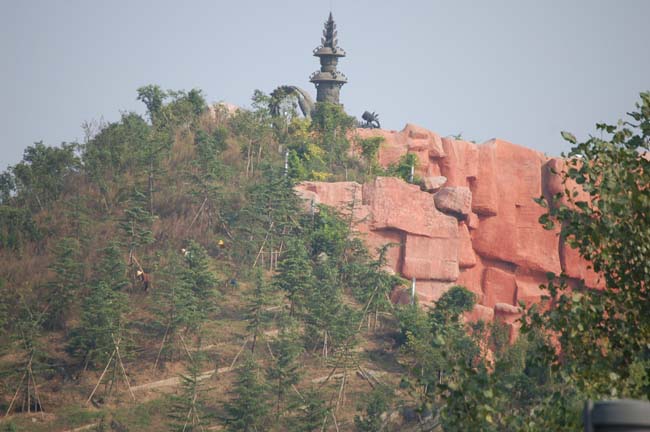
{"x":165,"y":274}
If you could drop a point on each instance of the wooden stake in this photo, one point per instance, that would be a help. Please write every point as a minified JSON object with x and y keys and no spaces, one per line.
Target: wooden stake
{"x":162,"y":344}
{"x":101,"y":377}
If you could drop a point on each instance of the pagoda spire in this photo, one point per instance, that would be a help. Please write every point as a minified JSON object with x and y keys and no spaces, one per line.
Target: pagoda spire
{"x":328,"y":80}
{"x":329,"y":33}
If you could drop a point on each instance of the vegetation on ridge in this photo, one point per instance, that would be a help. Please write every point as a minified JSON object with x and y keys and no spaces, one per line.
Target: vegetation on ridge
{"x":174,"y":248}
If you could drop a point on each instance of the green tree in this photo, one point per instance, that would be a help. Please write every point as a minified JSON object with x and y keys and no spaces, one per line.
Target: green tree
{"x":110,"y":153}
{"x":17,"y":227}
{"x":377,"y":403}
{"x":284,"y":372}
{"x":153,"y":97}
{"x":294,"y":275}
{"x":332,"y":125}
{"x":67,"y":284}
{"x":190,"y":409}
{"x":310,"y":414}
{"x":603,"y":214}
{"x":101,"y":324}
{"x":41,"y":176}
{"x":137,"y":222}
{"x":248,"y":409}
{"x":256,"y":315}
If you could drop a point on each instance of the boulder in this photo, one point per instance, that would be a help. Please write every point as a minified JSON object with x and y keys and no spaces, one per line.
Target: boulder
{"x":499,"y":286}
{"x":461,"y":161}
{"x":472,"y":221}
{"x":430,"y":291}
{"x":420,"y":138}
{"x":576,"y":267}
{"x":309,"y":200}
{"x":484,"y":187}
{"x":528,"y":286}
{"x":514,"y":234}
{"x":454,"y":200}
{"x":398,"y":205}
{"x":432,"y":183}
{"x":424,"y":143}
{"x":466,"y":255}
{"x":471,"y":278}
{"x":375,"y":240}
{"x":479,"y":313}
{"x":340,"y":195}
{"x":431,"y":258}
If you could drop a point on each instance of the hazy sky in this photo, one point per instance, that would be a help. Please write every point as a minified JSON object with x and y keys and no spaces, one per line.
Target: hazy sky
{"x":518,"y":70}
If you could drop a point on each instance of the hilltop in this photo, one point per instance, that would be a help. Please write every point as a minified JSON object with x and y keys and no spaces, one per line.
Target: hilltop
{"x":207,"y":268}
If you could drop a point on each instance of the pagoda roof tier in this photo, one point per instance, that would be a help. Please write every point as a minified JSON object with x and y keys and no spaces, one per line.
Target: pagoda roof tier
{"x":322,"y":51}
{"x":322,"y":76}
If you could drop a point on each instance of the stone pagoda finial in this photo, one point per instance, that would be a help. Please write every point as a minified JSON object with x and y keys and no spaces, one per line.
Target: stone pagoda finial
{"x":328,"y":80}
{"x":329,"y":33}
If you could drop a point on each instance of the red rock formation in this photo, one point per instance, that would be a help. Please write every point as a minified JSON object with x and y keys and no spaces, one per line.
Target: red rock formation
{"x":477,"y":226}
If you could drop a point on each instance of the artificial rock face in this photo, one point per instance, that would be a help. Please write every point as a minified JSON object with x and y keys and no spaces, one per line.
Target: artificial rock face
{"x":475,"y":224}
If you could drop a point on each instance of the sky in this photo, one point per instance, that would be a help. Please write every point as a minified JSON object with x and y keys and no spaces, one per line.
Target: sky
{"x":519,"y":70}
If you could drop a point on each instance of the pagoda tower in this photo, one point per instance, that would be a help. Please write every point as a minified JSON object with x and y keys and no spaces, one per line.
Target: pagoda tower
{"x":328,"y":80}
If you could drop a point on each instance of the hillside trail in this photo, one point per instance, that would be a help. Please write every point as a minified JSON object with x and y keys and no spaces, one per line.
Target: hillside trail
{"x":176,"y":381}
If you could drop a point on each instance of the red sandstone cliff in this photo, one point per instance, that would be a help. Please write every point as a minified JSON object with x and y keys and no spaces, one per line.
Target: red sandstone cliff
{"x":476,"y":225}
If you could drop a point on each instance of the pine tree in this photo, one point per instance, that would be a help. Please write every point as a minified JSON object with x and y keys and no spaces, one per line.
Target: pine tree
{"x":295,"y":273}
{"x":285,"y":370}
{"x":112,"y":269}
{"x":137,"y":222}
{"x":190,"y":411}
{"x":67,"y":283}
{"x":101,"y":324}
{"x":186,"y":296}
{"x":328,"y":321}
{"x":249,"y":408}
{"x":256,"y":316}
{"x":311,"y":413}
{"x":376,"y":403}
{"x":268,"y":219}
{"x":32,"y":363}
{"x":199,"y":278}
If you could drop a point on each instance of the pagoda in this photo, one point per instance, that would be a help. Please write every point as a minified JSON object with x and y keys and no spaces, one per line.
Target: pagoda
{"x":328,"y":80}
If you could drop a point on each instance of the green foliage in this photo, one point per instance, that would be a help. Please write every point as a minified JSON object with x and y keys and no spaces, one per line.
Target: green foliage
{"x":101,"y":325}
{"x":320,"y":149}
{"x":369,"y":152}
{"x":285,"y":369}
{"x":402,"y":168}
{"x":603,"y":213}
{"x":153,"y":97}
{"x":294,"y":275}
{"x":209,"y":145}
{"x":190,"y":409}
{"x":40,"y":178}
{"x":377,"y":403}
{"x":110,"y":153}
{"x":67,"y":284}
{"x":370,"y":284}
{"x":17,"y":227}
{"x":256,"y":315}
{"x":249,"y":408}
{"x":137,"y":221}
{"x":332,"y":124}
{"x":268,"y":218}
{"x":312,"y":413}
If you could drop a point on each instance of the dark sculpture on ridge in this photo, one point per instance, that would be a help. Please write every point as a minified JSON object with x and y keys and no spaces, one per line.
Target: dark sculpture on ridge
{"x":328,"y":80}
{"x":371,"y":120}
{"x":305,"y":102}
